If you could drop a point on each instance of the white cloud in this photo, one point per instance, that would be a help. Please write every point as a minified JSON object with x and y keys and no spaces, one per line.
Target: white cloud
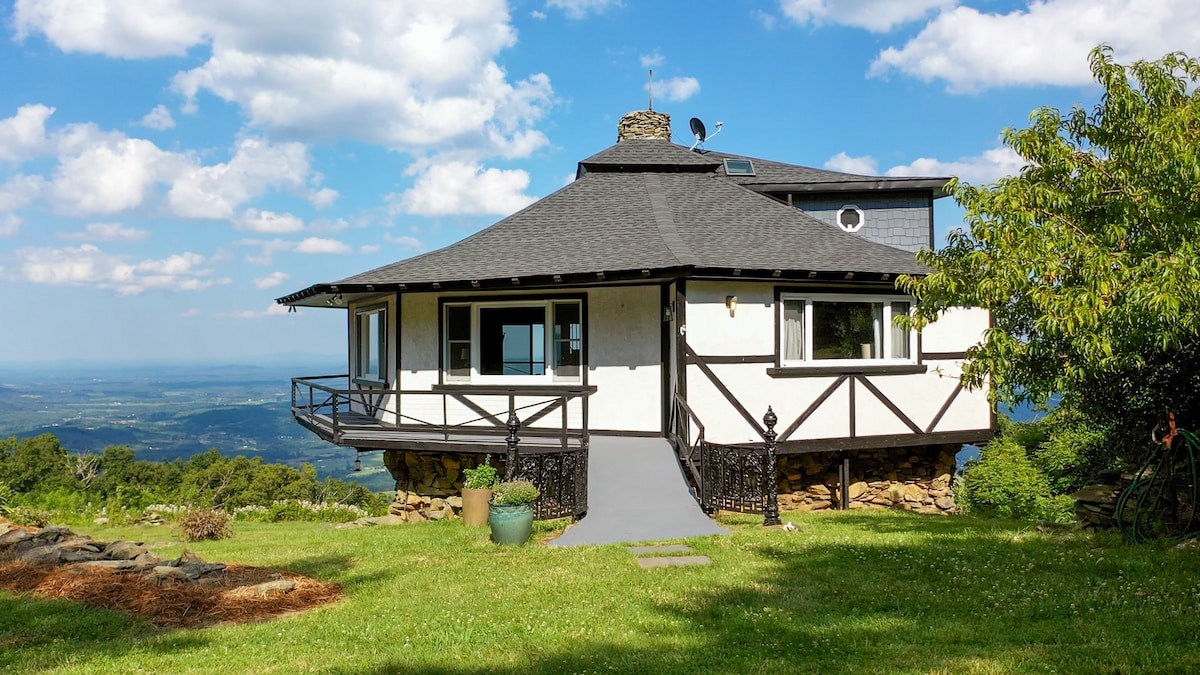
{"x":653,"y":60}
{"x":878,"y":16}
{"x":271,"y":280}
{"x":159,"y":118}
{"x":367,"y":249}
{"x":767,"y":19}
{"x":274,"y":309}
{"x":9,"y":225}
{"x":107,"y":232}
{"x":462,"y":188}
{"x":1045,"y":43}
{"x":404,"y":241}
{"x":114,"y":28}
{"x":863,"y":166}
{"x":269,"y":221}
{"x":189,"y":313}
{"x":321,"y":245}
{"x":676,"y":88}
{"x":24,"y":135}
{"x":986,"y":167}
{"x":20,"y":190}
{"x":257,"y":166}
{"x":89,"y":265}
{"x":111,"y":174}
{"x":578,"y":9}
{"x":322,"y":197}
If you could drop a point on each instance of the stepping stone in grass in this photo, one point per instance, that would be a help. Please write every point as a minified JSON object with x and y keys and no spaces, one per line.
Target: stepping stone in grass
{"x":675,"y":548}
{"x":676,"y":560}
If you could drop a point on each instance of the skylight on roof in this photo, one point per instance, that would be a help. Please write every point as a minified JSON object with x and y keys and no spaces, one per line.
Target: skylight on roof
{"x":739,"y":167}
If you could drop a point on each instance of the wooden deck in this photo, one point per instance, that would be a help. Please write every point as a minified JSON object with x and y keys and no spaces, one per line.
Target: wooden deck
{"x":363,"y":432}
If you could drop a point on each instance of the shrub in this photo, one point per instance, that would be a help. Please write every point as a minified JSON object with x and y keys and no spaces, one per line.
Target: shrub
{"x":514,"y":492}
{"x":1004,"y":483}
{"x":205,"y":524}
{"x":483,"y":476}
{"x":7,"y":496}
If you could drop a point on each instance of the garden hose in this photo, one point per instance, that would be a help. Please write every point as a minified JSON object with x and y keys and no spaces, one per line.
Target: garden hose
{"x":1161,"y":501}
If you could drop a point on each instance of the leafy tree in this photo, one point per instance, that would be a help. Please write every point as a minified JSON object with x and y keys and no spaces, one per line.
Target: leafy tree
{"x":1089,"y":260}
{"x":35,"y":464}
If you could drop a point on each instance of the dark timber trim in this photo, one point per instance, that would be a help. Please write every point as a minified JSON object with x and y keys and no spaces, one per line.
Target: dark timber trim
{"x":726,"y":360}
{"x":812,"y":408}
{"x":887,"y":441}
{"x":890,"y":406}
{"x":729,"y":397}
{"x":664,"y":355}
{"x":853,"y":410}
{"x":943,"y":356}
{"x":826,"y":371}
{"x":945,"y":407}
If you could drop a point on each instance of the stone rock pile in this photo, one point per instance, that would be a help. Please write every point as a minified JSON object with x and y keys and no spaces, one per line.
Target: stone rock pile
{"x":932,"y":497}
{"x":435,"y":474}
{"x":1096,"y":505}
{"x":417,"y":508}
{"x":61,"y":546}
{"x":644,"y":124}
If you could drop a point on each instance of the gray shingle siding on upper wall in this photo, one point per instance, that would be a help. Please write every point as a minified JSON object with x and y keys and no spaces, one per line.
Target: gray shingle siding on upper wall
{"x":901,"y":221}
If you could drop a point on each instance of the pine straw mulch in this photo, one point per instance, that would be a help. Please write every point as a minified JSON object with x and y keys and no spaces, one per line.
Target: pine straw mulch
{"x":215,"y":598}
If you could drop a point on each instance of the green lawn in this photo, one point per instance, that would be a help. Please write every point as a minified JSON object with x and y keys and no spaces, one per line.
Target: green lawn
{"x":848,"y":592}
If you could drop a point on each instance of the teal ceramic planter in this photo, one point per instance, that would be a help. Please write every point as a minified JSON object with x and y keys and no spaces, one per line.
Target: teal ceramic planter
{"x":511,"y":523}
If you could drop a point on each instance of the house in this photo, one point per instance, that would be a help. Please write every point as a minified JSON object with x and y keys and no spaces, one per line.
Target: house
{"x":666,"y":292}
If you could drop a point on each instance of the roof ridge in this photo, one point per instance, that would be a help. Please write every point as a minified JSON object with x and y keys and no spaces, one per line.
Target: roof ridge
{"x":666,"y":222}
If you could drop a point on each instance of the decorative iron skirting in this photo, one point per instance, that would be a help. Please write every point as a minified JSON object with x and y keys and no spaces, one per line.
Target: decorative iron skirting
{"x":561,"y":478}
{"x":736,"y":478}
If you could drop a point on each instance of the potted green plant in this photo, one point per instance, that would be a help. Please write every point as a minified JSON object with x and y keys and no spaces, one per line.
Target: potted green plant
{"x":477,"y":492}
{"x":511,"y":514}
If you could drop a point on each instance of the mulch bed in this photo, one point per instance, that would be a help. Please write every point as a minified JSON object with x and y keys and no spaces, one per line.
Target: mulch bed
{"x":222,"y":597}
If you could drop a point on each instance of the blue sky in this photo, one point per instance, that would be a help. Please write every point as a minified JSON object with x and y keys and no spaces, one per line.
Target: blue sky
{"x":168,"y":168}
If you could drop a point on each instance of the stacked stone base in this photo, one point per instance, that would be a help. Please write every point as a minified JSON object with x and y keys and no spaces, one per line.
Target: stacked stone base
{"x":432,"y":474}
{"x":416,"y":508}
{"x":913,"y":479}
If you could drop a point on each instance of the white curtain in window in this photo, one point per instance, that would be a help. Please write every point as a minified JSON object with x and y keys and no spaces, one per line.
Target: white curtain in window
{"x":900,"y":340}
{"x":793,"y":330}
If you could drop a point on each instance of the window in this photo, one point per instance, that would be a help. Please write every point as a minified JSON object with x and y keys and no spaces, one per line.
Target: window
{"x":833,"y":329}
{"x":370,"y":326}
{"x":739,"y":167}
{"x":851,"y":218}
{"x":514,"y":342}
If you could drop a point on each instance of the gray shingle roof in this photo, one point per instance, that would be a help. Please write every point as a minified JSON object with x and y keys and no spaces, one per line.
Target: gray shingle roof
{"x":644,"y":205}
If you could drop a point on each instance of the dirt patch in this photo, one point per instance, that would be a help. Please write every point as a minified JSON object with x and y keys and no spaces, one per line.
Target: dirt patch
{"x":218,"y":598}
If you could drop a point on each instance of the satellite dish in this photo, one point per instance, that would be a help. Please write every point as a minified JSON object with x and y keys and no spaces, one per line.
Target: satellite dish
{"x":698,"y":129}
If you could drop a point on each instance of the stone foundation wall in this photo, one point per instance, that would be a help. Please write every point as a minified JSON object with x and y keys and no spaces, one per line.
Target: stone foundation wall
{"x":914,"y":479}
{"x":433,"y":474}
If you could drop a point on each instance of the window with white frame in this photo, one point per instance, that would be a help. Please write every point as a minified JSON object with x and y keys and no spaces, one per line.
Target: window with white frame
{"x":513,"y":341}
{"x":851,"y":218}
{"x":829,"y":329}
{"x":370,"y":327}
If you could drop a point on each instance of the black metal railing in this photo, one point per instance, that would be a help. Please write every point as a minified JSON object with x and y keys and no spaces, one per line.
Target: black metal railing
{"x":340,"y":409}
{"x":728,"y":477}
{"x":558,"y":469}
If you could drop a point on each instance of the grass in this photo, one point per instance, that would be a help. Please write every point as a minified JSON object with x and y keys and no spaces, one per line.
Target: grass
{"x":848,"y":592}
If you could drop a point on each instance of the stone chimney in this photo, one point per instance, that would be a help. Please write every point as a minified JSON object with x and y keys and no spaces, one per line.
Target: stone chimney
{"x":644,"y":124}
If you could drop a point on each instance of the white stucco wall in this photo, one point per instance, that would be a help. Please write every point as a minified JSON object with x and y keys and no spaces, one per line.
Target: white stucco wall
{"x":711,"y":331}
{"x":623,"y":360}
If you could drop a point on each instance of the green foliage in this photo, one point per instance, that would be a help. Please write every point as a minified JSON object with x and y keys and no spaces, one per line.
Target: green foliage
{"x":482,"y":477}
{"x":7,"y":495}
{"x":1089,"y":260}
{"x":33,"y":464}
{"x":514,"y":492}
{"x":204,"y":524}
{"x":1004,"y":483}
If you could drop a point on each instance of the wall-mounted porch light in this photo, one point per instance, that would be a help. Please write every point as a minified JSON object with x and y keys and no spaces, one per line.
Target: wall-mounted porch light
{"x":731,"y":303}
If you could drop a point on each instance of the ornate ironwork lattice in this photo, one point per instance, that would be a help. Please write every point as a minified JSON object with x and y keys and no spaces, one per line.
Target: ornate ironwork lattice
{"x":735,"y":478}
{"x":561,"y":478}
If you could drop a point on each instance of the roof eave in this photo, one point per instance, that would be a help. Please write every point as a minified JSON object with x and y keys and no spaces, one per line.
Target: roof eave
{"x":937,"y":185}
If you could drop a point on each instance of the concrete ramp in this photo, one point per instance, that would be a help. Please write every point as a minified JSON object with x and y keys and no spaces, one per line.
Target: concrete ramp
{"x":636,"y":492}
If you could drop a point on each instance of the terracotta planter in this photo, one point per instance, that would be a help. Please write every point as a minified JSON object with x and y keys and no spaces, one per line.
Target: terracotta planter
{"x":511,"y":523}
{"x":475,"y":506}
